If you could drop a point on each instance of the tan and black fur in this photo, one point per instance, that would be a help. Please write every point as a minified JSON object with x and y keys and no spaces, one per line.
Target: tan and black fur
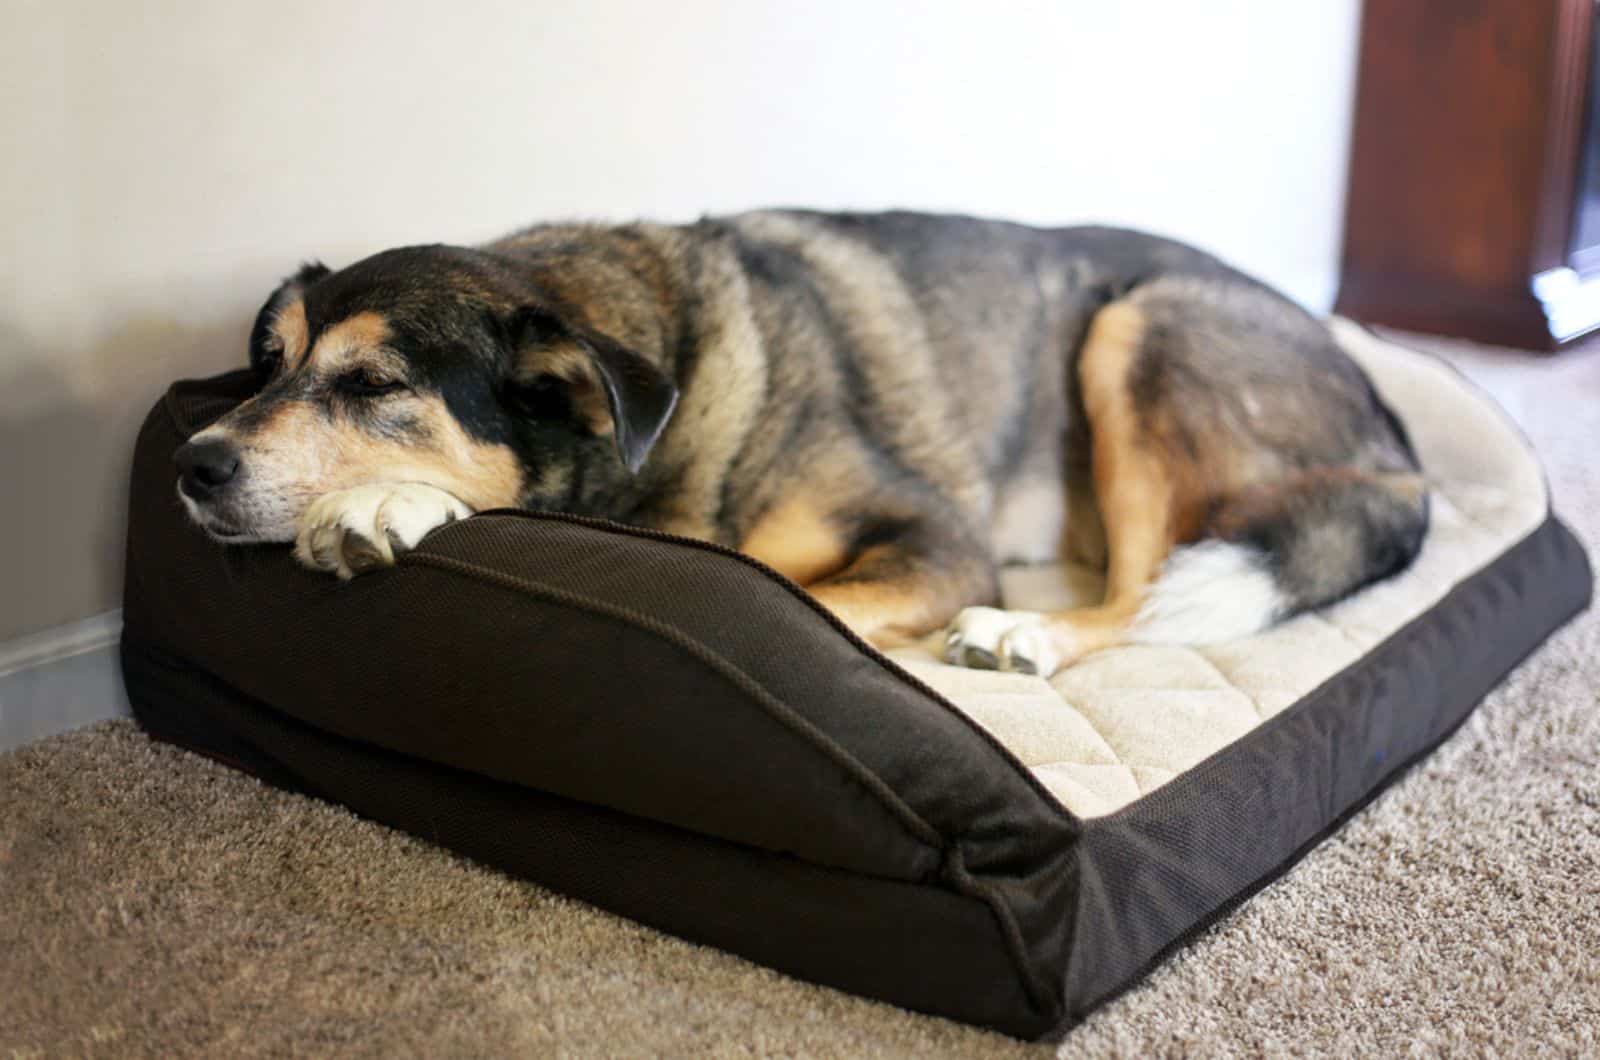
{"x":884,"y":407}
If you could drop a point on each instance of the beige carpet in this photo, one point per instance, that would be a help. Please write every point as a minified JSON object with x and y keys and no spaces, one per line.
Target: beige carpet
{"x":155,"y":904}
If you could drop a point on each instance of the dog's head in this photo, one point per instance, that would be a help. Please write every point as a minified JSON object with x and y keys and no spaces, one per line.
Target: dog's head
{"x":438,"y":365}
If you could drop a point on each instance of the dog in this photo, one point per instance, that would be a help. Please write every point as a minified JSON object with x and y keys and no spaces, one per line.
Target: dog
{"x":883,"y":407}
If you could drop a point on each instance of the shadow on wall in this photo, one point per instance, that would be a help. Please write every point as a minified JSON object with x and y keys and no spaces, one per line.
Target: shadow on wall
{"x":66,"y":440}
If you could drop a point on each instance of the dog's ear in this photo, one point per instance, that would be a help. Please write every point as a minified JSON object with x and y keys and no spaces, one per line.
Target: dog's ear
{"x":563,"y":368}
{"x":266,"y":348}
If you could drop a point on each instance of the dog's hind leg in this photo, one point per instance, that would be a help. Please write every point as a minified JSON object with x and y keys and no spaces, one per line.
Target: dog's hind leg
{"x":1141,"y":506}
{"x":1216,"y":525}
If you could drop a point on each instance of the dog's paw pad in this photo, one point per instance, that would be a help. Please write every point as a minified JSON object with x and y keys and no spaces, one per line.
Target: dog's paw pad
{"x":974,"y":657}
{"x":986,"y":638}
{"x":353,"y":531}
{"x":362,"y":554}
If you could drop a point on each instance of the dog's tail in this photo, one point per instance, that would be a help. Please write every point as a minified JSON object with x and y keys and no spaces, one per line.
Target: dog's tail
{"x":1276,"y":551}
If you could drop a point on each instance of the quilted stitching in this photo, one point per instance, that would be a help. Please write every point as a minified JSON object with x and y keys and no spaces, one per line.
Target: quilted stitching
{"x":1123,"y":722}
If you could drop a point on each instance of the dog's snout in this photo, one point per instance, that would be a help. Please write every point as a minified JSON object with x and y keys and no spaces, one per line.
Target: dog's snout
{"x":205,"y":467}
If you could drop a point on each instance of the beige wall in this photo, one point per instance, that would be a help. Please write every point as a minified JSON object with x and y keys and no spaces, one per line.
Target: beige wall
{"x":165,"y":163}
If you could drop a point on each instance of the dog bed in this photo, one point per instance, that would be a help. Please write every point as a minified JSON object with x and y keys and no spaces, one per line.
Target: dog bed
{"x":673,"y":732}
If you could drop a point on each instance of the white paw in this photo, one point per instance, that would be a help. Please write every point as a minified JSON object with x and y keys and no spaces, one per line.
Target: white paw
{"x":986,"y":638}
{"x":351,"y":531}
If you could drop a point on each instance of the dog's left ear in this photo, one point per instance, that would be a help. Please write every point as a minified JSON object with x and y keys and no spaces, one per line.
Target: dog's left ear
{"x":609,"y":387}
{"x":265,"y":347}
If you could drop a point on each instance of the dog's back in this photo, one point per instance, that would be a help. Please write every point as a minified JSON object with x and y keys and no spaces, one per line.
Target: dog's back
{"x":926,"y":377}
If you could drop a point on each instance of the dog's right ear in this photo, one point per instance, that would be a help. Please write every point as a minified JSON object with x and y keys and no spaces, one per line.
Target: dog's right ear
{"x":275,"y":323}
{"x":567,"y":370}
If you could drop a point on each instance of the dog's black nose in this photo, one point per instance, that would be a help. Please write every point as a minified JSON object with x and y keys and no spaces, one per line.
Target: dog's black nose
{"x":205,"y":467}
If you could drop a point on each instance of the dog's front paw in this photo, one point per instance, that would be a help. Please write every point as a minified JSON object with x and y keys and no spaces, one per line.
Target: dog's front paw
{"x":355,"y":530}
{"x":986,"y":638}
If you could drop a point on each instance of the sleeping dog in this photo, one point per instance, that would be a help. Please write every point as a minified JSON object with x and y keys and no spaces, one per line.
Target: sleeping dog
{"x":882,"y":407}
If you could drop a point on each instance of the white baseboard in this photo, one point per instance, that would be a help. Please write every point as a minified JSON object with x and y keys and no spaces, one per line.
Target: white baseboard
{"x":60,"y":679}
{"x":60,"y":642}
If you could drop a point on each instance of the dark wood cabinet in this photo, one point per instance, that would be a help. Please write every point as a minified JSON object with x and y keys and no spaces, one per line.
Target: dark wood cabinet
{"x":1473,"y":204}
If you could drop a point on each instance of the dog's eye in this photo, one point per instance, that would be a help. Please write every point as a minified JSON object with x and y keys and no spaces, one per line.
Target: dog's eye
{"x":543,"y":397}
{"x":266,"y":361}
{"x":368,"y":382}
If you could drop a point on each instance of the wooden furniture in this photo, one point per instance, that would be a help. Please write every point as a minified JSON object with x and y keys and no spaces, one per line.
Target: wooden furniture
{"x":1473,"y":204}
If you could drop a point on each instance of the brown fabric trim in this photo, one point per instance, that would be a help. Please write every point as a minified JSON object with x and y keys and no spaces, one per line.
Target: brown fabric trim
{"x":1040,"y":992}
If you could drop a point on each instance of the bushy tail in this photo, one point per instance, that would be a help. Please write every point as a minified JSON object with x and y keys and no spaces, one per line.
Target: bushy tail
{"x":1275,"y":551}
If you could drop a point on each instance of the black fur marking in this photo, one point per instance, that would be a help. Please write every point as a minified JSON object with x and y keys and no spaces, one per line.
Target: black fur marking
{"x":1018,"y":430}
{"x":784,"y":271}
{"x":376,"y":418}
{"x":1328,"y":540}
{"x":685,"y":351}
{"x":1396,"y":428}
{"x":264,"y":355}
{"x":640,"y":396}
{"x":882,"y":531}
{"x":544,"y":397}
{"x":310,"y":272}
